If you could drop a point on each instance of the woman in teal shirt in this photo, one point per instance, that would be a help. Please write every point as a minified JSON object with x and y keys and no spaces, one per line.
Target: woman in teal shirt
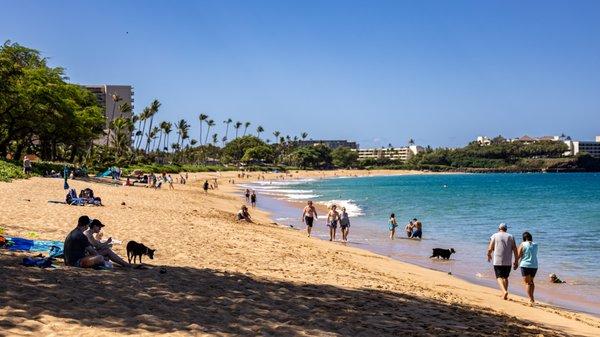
{"x":528,"y":262}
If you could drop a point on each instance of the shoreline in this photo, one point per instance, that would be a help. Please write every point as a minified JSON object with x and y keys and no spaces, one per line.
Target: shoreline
{"x":567,"y":301}
{"x":227,"y":278}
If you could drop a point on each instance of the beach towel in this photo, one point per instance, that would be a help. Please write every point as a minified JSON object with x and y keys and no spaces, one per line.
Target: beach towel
{"x":45,"y":246}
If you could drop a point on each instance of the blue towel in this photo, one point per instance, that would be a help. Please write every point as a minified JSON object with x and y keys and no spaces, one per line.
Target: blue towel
{"x":33,"y":245}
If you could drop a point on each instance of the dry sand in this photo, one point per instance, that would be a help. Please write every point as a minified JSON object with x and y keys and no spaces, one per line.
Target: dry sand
{"x":228,"y":278}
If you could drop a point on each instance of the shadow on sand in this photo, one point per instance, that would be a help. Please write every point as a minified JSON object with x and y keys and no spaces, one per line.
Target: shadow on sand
{"x":209,"y":301}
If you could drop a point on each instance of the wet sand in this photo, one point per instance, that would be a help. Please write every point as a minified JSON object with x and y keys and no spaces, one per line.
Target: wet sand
{"x":226,"y":278}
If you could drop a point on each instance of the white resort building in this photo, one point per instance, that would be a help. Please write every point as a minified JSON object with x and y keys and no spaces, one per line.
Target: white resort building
{"x":590,"y":147}
{"x":393,"y":153}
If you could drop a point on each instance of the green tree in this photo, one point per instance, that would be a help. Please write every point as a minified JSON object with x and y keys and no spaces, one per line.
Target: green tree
{"x":236,"y":148}
{"x":344,"y":157}
{"x":202,"y":118}
{"x":262,"y":153}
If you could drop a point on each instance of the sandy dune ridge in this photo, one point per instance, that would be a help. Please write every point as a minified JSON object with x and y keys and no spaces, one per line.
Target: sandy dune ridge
{"x":227,"y":278}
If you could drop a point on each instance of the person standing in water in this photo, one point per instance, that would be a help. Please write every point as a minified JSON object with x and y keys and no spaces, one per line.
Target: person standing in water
{"x":529,"y":264}
{"x":247,"y":196}
{"x":253,"y":199}
{"x":332,"y":221}
{"x":500,"y":251}
{"x":309,"y":214}
{"x":409,"y":229}
{"x":344,"y":224}
{"x":418,"y":229}
{"x":392,"y":224}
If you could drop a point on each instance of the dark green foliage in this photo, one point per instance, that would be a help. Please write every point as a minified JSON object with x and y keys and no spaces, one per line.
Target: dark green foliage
{"x":344,"y":157}
{"x":9,"y":171}
{"x":236,"y":149}
{"x":310,"y":157}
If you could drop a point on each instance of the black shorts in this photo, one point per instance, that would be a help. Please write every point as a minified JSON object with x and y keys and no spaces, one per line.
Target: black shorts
{"x":528,"y":271}
{"x":502,"y":271}
{"x":309,"y":220}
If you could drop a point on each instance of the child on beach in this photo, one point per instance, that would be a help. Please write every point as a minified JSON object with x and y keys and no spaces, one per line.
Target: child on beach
{"x":332,"y":221}
{"x":344,"y":224}
{"x":409,"y":229}
{"x":392,"y":224}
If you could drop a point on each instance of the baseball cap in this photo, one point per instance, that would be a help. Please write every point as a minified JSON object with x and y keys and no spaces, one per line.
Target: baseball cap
{"x":502,"y":226}
{"x":96,"y":222}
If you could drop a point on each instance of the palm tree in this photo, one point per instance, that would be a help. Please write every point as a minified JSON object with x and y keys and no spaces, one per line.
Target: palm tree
{"x":237,"y":126}
{"x":276,"y":134}
{"x":162,"y":129}
{"x":202,"y":118}
{"x":154,"y":134}
{"x":154,"y":106}
{"x":246,"y":125}
{"x":182,"y":129}
{"x":167,"y":129}
{"x":411,"y":142}
{"x":259,"y":129}
{"x":116,"y":98}
{"x":228,"y":121}
{"x":304,"y":135}
{"x":210,"y":123}
{"x":143,"y":117}
{"x":215,"y":139}
{"x":193,"y":142}
{"x":119,"y":138}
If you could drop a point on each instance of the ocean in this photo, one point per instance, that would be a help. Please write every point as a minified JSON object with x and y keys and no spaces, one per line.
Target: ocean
{"x":461,"y":211}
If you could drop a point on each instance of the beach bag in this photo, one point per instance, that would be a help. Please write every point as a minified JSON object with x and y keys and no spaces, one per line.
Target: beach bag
{"x":37,"y":262}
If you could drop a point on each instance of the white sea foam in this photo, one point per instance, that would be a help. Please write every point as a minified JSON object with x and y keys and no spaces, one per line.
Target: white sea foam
{"x":352,"y":208}
{"x":301,"y":196}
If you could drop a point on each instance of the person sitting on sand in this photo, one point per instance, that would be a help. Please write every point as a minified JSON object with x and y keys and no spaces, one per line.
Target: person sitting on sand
{"x":409,"y":229}
{"x":555,"y":279}
{"x":78,"y":250}
{"x":500,"y":251}
{"x":418,"y":229}
{"x":128,"y":182}
{"x":244,"y":215}
{"x":332,"y":221}
{"x":528,"y":263}
{"x":309,"y":214}
{"x":392,"y":224}
{"x":344,"y":224}
{"x":103,"y":248}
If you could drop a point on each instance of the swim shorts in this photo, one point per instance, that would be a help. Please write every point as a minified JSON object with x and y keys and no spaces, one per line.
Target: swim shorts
{"x":502,"y":271}
{"x":309,"y":220}
{"x":417,"y":234}
{"x":390,"y":226}
{"x":332,"y":224}
{"x":528,"y":271}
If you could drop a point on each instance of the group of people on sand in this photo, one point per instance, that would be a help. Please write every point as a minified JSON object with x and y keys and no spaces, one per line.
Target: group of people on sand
{"x":334,"y":218}
{"x":84,"y":248}
{"x":414,"y":228}
{"x":501,"y":250}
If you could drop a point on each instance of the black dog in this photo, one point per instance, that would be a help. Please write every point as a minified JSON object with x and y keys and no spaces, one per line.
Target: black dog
{"x":443,"y":253}
{"x":135,"y":249}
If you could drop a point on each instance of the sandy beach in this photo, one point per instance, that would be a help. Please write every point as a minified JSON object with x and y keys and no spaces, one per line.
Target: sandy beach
{"x":226,"y":278}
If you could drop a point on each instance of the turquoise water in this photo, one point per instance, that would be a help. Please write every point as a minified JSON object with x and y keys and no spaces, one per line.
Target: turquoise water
{"x":562,"y":212}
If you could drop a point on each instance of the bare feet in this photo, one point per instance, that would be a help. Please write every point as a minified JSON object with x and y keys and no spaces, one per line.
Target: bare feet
{"x":505,"y":295}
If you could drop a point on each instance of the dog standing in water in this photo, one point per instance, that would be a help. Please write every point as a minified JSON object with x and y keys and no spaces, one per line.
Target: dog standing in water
{"x":443,"y":253}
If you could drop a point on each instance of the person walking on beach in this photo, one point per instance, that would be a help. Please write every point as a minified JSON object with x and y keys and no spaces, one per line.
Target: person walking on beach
{"x":205,"y":187}
{"x":332,"y":221}
{"x":309,"y":214}
{"x":529,"y":264}
{"x":392,"y":224}
{"x":170,"y":181}
{"x":500,"y":251}
{"x":247,"y":196}
{"x":418,"y":229}
{"x":344,"y":224}
{"x":253,"y":199}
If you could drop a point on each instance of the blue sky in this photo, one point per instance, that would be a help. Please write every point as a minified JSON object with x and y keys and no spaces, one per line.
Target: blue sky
{"x":378,"y":72}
